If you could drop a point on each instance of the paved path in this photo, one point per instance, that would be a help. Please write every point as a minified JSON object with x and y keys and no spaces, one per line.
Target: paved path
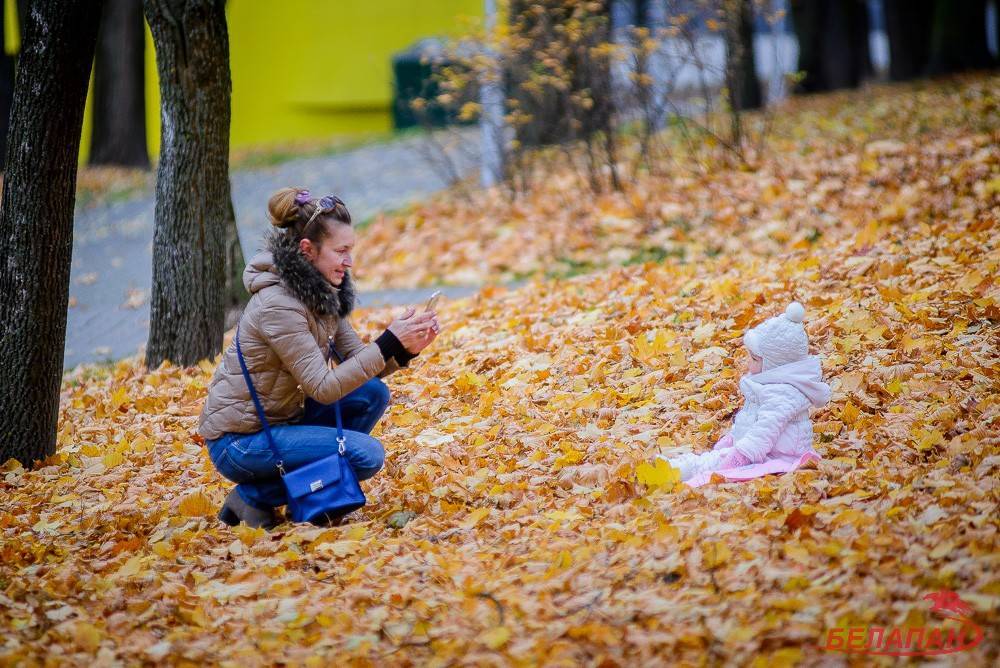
{"x":112,"y":244}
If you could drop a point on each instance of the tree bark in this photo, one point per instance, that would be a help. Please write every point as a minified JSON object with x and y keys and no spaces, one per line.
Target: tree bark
{"x":958,"y":37}
{"x":833,"y":43}
{"x":908,"y":27}
{"x":741,"y":75}
{"x":6,"y":90}
{"x":236,"y":294}
{"x":119,"y":129}
{"x":36,"y":220}
{"x":193,"y":199}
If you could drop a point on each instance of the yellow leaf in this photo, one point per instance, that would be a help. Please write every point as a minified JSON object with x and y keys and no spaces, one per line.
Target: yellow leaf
{"x":356,"y":532}
{"x":792,"y":604}
{"x":849,"y":413}
{"x":647,"y":345}
{"x":475,"y":517}
{"x":970,"y":281}
{"x":928,"y":439}
{"x":248,"y":535}
{"x":894,"y":387}
{"x":130,"y":567}
{"x":870,"y":234}
{"x":589,"y":400}
{"x":741,"y":634}
{"x":196,"y":505}
{"x":113,"y":459}
{"x":496,"y":637}
{"x":797,"y":553}
{"x":340,"y":548}
{"x":163,"y":549}
{"x":118,"y":397}
{"x":193,"y":615}
{"x":986,"y":189}
{"x":87,"y":636}
{"x":406,"y":418}
{"x":468,"y":381}
{"x":143,"y":444}
{"x":715,"y":554}
{"x":942,"y":550}
{"x":786,"y":657}
{"x":659,"y":475}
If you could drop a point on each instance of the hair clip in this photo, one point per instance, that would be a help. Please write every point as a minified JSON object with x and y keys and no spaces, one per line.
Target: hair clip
{"x":302,"y":197}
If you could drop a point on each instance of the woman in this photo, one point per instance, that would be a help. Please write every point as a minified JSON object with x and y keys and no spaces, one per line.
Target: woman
{"x":301,"y":295}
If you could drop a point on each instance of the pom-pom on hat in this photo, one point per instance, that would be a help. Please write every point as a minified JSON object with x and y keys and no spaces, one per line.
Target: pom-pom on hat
{"x":781,"y":339}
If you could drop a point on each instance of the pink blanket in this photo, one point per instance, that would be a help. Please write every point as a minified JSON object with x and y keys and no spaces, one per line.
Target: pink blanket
{"x":776,"y":465}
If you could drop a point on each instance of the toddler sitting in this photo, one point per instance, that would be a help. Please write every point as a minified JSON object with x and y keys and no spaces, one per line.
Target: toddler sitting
{"x":772,"y":432}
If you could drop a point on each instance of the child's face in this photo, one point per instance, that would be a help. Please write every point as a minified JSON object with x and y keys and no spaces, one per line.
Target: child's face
{"x":754,"y":363}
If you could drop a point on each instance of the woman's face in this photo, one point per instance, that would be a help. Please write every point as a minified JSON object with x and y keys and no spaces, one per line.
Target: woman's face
{"x":754,"y":363}
{"x":332,"y":257}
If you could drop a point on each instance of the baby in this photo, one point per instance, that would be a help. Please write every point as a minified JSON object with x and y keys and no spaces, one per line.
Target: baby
{"x":772,"y":433}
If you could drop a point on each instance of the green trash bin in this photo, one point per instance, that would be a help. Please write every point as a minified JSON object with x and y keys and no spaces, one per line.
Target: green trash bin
{"x":414,"y":73}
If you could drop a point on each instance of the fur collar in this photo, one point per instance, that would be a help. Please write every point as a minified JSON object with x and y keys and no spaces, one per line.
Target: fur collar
{"x":305,"y":282}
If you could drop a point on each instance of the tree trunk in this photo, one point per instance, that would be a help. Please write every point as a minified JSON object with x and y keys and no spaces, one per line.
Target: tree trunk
{"x":36,"y":220}
{"x":236,"y":294}
{"x":833,"y":43}
{"x":6,"y":90}
{"x":119,"y":129}
{"x":908,"y":27}
{"x":958,"y":37}
{"x":741,"y":75}
{"x":807,"y":18}
{"x":193,"y":200}
{"x":7,"y":71}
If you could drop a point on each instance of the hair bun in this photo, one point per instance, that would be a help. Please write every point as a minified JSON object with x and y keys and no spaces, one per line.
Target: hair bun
{"x":282,"y":209}
{"x":795,"y":312}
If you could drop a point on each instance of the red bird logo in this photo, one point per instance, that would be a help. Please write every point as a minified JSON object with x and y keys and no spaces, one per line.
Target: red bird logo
{"x":946,"y":601}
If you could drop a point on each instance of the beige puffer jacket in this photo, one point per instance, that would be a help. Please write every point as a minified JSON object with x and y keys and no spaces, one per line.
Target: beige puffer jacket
{"x":284,"y":343}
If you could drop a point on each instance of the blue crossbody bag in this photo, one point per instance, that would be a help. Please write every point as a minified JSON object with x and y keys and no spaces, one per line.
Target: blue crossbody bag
{"x":323,"y":490}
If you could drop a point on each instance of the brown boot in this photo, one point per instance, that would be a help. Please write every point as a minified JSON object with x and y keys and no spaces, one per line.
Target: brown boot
{"x":236,"y":510}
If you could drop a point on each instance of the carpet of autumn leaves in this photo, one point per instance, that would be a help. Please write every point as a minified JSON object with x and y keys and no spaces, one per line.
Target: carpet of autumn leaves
{"x":830,"y":164}
{"x":515,"y":522}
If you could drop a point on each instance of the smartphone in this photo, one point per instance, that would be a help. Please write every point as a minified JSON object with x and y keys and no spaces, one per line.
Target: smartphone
{"x":432,"y":301}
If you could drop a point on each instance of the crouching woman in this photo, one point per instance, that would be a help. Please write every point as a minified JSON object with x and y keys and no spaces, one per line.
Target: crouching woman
{"x":301,"y":296}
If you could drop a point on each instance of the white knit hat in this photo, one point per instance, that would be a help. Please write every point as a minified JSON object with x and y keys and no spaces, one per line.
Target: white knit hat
{"x":781,"y":339}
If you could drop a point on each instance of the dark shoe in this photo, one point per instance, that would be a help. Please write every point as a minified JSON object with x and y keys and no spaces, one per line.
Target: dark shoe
{"x":236,"y":510}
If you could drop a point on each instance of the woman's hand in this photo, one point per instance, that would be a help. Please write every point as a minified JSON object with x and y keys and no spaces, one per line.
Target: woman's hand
{"x":415,"y":331}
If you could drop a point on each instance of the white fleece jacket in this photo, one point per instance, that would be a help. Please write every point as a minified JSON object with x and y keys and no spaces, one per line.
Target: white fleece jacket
{"x":774,"y":420}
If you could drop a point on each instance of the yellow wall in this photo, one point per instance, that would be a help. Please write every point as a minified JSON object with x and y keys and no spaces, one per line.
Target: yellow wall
{"x":307,"y":69}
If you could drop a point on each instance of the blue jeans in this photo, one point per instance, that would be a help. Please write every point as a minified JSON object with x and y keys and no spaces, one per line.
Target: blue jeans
{"x":247,"y":459}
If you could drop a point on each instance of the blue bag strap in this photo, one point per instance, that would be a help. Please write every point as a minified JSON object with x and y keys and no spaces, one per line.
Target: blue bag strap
{"x":336,"y":404}
{"x":260,"y":409}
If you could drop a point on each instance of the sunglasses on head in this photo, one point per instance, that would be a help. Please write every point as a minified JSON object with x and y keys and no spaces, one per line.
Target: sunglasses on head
{"x":325,"y":204}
